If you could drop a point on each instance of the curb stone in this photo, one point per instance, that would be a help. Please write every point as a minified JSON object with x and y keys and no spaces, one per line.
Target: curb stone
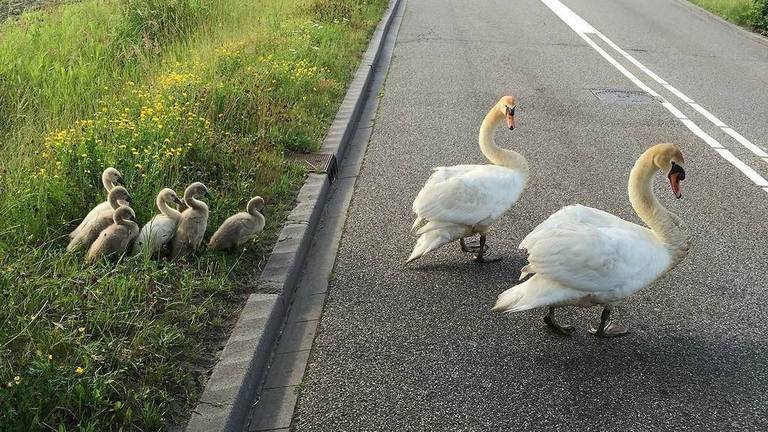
{"x":226,"y":401}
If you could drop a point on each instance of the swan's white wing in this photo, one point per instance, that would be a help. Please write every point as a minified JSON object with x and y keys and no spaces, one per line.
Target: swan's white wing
{"x":90,"y":216}
{"x":468,"y":194}
{"x":155,"y":234}
{"x":591,"y":250}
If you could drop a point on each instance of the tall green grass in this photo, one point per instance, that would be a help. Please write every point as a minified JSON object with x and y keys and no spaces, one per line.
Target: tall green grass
{"x":749,"y":13}
{"x":169,"y":92}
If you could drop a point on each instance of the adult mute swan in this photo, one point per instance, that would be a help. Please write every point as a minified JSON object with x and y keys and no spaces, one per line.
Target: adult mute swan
{"x":194,"y":221}
{"x":114,"y":240}
{"x":109,"y":178}
{"x":463,"y":200}
{"x":238,"y":229}
{"x":158,"y":232}
{"x":584,"y":257}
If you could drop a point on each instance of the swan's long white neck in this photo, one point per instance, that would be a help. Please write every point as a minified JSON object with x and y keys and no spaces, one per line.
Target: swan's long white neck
{"x":251,"y":209}
{"x":167,"y":210}
{"x":108,"y":185}
{"x":194,"y":203}
{"x":113,"y":201}
{"x":499,"y":156}
{"x":119,"y":220}
{"x":666,"y":225}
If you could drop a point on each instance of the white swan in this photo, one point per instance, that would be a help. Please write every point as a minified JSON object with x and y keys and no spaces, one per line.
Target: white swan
{"x":90,"y":232}
{"x":194,"y":221}
{"x":238,"y":229}
{"x":583,"y":256}
{"x":114,"y":240}
{"x":109,"y":178}
{"x":464,"y":200}
{"x":158,"y":232}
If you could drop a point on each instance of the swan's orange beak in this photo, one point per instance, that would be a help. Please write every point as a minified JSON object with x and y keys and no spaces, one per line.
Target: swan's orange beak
{"x":674,"y":180}
{"x":676,"y":175}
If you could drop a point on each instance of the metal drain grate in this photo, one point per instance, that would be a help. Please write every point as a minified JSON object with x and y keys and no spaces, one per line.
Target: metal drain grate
{"x":622,"y":96}
{"x":323,"y":163}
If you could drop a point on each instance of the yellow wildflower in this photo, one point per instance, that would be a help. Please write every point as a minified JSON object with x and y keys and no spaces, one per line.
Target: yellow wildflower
{"x":17,"y":379}
{"x":79,"y":370}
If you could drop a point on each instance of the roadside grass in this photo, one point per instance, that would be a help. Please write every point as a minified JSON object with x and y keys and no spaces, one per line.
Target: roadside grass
{"x":169,"y":92}
{"x":748,"y":13}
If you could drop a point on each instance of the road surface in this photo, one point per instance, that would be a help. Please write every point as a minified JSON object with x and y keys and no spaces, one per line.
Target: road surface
{"x":416,"y":347}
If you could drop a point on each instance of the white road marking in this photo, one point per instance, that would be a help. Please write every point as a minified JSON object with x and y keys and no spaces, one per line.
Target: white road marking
{"x":583,"y":28}
{"x":746,"y":143}
{"x":746,"y":169}
{"x":703,"y":111}
{"x":701,"y":134}
{"x":574,"y":21}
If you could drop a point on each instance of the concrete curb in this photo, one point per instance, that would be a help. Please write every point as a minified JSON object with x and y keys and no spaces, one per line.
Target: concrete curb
{"x":231,"y":389}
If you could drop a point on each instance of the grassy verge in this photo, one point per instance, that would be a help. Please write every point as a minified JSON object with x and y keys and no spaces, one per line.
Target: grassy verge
{"x":747,"y":13}
{"x":169,"y":92}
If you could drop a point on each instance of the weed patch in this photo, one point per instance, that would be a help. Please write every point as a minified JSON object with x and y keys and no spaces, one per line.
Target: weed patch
{"x":168,"y":92}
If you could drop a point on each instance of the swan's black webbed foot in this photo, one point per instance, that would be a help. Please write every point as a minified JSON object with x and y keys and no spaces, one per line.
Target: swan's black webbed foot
{"x":564,"y":330}
{"x":482,"y":255}
{"x":471,"y":246}
{"x":608,"y":329}
{"x":487,"y":258}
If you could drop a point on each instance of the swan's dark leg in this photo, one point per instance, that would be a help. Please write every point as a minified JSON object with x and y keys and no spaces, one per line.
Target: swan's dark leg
{"x":472,"y":246}
{"x":549,"y":318}
{"x":608,"y":329}
{"x":483,"y":256}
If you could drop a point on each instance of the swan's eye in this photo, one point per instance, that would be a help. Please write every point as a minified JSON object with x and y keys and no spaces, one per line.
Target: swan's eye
{"x":677,"y":169}
{"x":510,"y":111}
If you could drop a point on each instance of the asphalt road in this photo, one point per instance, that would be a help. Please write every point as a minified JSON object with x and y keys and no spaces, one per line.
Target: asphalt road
{"x":417,"y":348}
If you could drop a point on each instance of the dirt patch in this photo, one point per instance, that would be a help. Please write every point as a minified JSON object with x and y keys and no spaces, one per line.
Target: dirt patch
{"x":10,"y":8}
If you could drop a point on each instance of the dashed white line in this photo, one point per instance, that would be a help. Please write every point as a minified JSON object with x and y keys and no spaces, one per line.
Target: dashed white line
{"x":583,"y":29}
{"x":701,"y":134}
{"x":746,"y":169}
{"x":703,"y":111}
{"x":746,"y":143}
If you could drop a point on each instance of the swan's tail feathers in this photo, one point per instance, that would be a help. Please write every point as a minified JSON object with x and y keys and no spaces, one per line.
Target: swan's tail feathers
{"x":535,"y":292}
{"x":416,"y":224}
{"x":525,"y":271}
{"x":432,"y":236}
{"x":74,"y":244}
